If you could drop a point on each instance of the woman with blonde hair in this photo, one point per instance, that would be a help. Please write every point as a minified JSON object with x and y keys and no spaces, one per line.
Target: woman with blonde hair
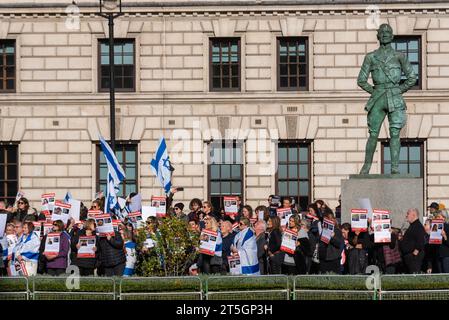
{"x":212,"y":263}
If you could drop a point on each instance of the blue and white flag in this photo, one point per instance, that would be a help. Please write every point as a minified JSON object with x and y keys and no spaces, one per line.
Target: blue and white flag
{"x":161,"y":166}
{"x":67,"y":197}
{"x":245,"y":242}
{"x":115,"y":176}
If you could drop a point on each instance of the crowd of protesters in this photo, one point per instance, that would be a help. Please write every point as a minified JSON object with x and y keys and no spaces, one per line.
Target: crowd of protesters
{"x":254,"y":233}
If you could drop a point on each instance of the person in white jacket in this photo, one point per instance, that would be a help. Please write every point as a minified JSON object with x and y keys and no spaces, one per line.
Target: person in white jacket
{"x":245,"y":246}
{"x":26,"y":251}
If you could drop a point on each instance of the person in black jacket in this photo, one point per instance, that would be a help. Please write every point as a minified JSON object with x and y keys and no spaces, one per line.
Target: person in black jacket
{"x":358,"y":254}
{"x":227,"y":240}
{"x":20,"y":212}
{"x":86,"y":265}
{"x":273,"y":247}
{"x":412,"y":243}
{"x":112,"y":254}
{"x":330,"y":253}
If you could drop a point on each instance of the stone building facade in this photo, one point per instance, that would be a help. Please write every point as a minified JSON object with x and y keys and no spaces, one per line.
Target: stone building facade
{"x":56,"y":111}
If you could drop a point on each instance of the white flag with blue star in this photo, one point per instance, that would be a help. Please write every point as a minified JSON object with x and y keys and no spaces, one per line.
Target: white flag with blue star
{"x":115,"y":176}
{"x":161,"y":165}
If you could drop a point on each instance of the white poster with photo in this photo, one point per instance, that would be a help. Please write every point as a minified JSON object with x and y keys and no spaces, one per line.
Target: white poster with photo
{"x":382,"y":230}
{"x":149,"y":243}
{"x":380,"y":214}
{"x":91,"y":214}
{"x":48,"y":227}
{"x":115,"y":224}
{"x":359,"y":220}
{"x":61,"y":211}
{"x":284,"y":214}
{"x":75,"y":208}
{"x":328,"y":229}
{"x":436,"y":228}
{"x":365,"y":203}
{"x":261,"y":215}
{"x":288,"y":243}
{"x":17,"y":269}
{"x":160,"y":204}
{"x":230,"y":206}
{"x":38,"y":227}
{"x":148,"y":211}
{"x":3,"y":218}
{"x":52,"y":244}
{"x":48,"y":202}
{"x":87,"y":245}
{"x":136,"y":219}
{"x":235,"y":265}
{"x":104,"y":225}
{"x":208,"y":242}
{"x":12,"y":241}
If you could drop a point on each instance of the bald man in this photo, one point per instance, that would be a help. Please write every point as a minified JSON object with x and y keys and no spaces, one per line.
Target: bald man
{"x":413,"y":242}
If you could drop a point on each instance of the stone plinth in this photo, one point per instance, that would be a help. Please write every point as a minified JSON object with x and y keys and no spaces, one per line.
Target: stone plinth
{"x":395,"y":193}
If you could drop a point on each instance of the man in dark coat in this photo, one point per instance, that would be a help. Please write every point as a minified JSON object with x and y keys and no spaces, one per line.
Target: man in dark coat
{"x":112,"y":254}
{"x":413,"y":242}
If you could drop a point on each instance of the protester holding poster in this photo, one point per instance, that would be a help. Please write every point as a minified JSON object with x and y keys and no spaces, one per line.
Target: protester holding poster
{"x":273,"y":246}
{"x":330,"y":246}
{"x":443,"y":252}
{"x":210,"y":259}
{"x":230,"y":206}
{"x":111,"y":254}
{"x":85,"y":263}
{"x":26,"y":251}
{"x":436,"y":228}
{"x":19,"y":212}
{"x":288,"y":245}
{"x":56,"y":262}
{"x":245,"y":247}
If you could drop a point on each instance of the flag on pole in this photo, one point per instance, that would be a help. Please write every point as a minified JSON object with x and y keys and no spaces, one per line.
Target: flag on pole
{"x":161,"y":165}
{"x":115,"y":176}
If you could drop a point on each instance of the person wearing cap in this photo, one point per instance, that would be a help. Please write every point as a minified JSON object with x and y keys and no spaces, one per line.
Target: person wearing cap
{"x":434,"y":208}
{"x":178,"y":211}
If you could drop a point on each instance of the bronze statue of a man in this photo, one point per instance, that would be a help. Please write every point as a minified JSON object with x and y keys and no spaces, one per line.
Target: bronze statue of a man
{"x":386,"y":67}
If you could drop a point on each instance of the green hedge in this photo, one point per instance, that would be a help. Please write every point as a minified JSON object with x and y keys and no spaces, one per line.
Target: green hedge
{"x":415,"y":282}
{"x":236,"y":283}
{"x":160,"y":284}
{"x":330,"y":282}
{"x":13,"y":284}
{"x":86,"y":284}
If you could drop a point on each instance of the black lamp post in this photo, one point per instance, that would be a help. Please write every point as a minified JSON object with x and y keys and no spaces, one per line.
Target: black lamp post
{"x":111,"y":9}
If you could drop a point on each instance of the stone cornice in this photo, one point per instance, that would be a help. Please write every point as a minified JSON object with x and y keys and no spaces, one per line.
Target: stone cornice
{"x":201,"y":98}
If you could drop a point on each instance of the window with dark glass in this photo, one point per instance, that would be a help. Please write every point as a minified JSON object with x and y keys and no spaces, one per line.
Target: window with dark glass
{"x":410,"y":46}
{"x":293,"y":175}
{"x":224,"y":64}
{"x":292,"y":63}
{"x":411,"y":158}
{"x":9,"y":172}
{"x":124,"y":65}
{"x":8,"y":65}
{"x":225,"y":171}
{"x":126,"y":154}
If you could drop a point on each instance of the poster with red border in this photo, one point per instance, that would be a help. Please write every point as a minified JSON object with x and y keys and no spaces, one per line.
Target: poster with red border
{"x":328,"y":229}
{"x":359,"y":220}
{"x":231,"y":207}
{"x":160,"y":203}
{"x":61,"y":211}
{"x":52,"y":244}
{"x":91,"y":214}
{"x":208,"y":242}
{"x":136,"y":219}
{"x":235,"y":265}
{"x":382,"y":231}
{"x":48,"y":201}
{"x":288,"y":243}
{"x":381,"y":214}
{"x":87,"y":243}
{"x":104,"y":225}
{"x":436,"y":228}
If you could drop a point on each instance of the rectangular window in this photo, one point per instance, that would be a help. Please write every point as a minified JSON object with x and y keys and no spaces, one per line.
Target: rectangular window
{"x":411,"y":158}
{"x":124,"y":65}
{"x":9,"y":172}
{"x":292,"y":64}
{"x":410,"y":46}
{"x":293,"y":174}
{"x":7,"y":66}
{"x":127,"y":156}
{"x":224,"y":64}
{"x":225,"y":171}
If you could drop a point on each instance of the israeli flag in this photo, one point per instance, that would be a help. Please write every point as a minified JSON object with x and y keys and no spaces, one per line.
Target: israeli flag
{"x":161,"y":165}
{"x":245,"y":242}
{"x":67,"y":197}
{"x":115,"y":176}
